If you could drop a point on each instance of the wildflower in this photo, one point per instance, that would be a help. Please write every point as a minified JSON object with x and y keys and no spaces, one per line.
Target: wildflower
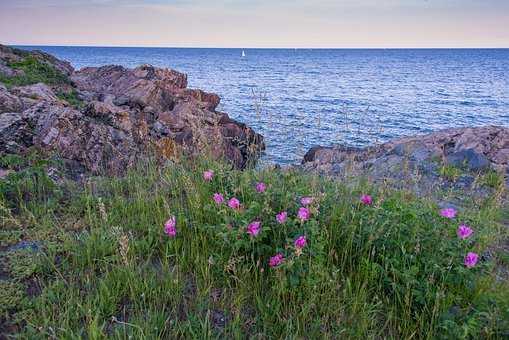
{"x":305,"y":201}
{"x":207,"y":175}
{"x":471,"y":259}
{"x":218,"y":198}
{"x":234,"y":203}
{"x":261,"y":187}
{"x":464,"y":231}
{"x":303,"y":214}
{"x":276,"y":260}
{"x":253,"y":228}
{"x":448,"y":213}
{"x":281,"y":217}
{"x":366,"y":199}
{"x":300,"y":242}
{"x":170,"y":227}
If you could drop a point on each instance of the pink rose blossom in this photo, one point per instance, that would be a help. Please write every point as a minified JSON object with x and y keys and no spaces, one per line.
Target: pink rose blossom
{"x":207,"y":175}
{"x":448,"y":213}
{"x":261,"y":187}
{"x":281,"y":217}
{"x":464,"y":231}
{"x":218,"y":198}
{"x":471,"y":260}
{"x":366,"y":199}
{"x":303,"y":214}
{"x":253,"y":228}
{"x":234,"y":203}
{"x":300,"y":242}
{"x":170,"y":227}
{"x":305,"y":201}
{"x":276,"y":260}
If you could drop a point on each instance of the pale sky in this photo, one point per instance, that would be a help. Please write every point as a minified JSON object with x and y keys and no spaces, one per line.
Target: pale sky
{"x":256,"y":23}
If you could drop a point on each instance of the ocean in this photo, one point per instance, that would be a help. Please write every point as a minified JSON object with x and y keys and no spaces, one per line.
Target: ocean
{"x":298,"y":98}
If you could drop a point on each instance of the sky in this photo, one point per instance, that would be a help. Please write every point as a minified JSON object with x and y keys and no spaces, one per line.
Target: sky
{"x":257,"y":23}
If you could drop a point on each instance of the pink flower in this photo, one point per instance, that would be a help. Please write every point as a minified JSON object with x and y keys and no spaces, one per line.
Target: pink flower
{"x":471,"y":260}
{"x":448,"y":212}
{"x":261,"y":187}
{"x":366,"y":199}
{"x":207,"y":175}
{"x":218,"y":198}
{"x":303,"y":214}
{"x":276,"y":260}
{"x":464,"y":231}
{"x":234,"y":203}
{"x":300,"y":242}
{"x":281,"y":217}
{"x":253,"y":228}
{"x":305,"y":201}
{"x":170,"y":227}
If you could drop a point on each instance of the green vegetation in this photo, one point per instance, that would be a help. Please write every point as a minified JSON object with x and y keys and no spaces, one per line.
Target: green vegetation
{"x":493,"y":179}
{"x":102,"y":266}
{"x":34,"y":71}
{"x":71,"y":97}
{"x":450,"y":172}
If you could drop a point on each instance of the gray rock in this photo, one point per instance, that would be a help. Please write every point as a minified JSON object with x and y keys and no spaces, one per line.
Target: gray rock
{"x":465,"y":181}
{"x":9,"y":123}
{"x":415,"y":162}
{"x":469,"y":159}
{"x":8,"y":101}
{"x":121,"y":100}
{"x":36,"y":92}
{"x":4,"y":173}
{"x":6,"y":70}
{"x":26,"y":245}
{"x":421,"y":154}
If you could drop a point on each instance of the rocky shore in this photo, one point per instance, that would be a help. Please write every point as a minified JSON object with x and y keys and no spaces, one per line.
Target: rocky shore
{"x":449,"y":159}
{"x":102,"y":119}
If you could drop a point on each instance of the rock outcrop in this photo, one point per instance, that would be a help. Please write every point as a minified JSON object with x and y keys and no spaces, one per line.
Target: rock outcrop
{"x":474,"y":150}
{"x":104,"y":118}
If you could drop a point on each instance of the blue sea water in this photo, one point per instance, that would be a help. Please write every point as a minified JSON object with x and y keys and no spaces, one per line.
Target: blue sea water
{"x":301,"y":98}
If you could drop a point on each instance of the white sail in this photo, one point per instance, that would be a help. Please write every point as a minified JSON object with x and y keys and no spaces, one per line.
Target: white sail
{"x":243,"y":54}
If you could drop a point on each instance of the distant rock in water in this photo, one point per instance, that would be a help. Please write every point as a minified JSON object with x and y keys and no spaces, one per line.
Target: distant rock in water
{"x":104,"y":118}
{"x":425,"y":159}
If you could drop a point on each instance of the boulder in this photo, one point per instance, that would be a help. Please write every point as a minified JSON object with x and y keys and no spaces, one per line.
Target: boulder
{"x":124,"y":114}
{"x":160,"y":99}
{"x":478,"y":146}
{"x":418,"y":158}
{"x":36,"y":92}
{"x":13,"y":133}
{"x":8,"y":101}
{"x":470,"y":159}
{"x":6,"y":71}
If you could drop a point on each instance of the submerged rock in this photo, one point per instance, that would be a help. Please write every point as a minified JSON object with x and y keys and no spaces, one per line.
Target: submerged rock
{"x":105,"y":118}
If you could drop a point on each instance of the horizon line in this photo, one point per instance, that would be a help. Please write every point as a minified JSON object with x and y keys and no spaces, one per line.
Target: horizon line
{"x":263,"y":48}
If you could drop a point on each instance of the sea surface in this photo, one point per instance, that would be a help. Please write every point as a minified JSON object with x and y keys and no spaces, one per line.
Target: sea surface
{"x":298,"y":98}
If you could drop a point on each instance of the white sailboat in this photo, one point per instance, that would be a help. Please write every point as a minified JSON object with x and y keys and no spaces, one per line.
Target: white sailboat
{"x":243,"y":54}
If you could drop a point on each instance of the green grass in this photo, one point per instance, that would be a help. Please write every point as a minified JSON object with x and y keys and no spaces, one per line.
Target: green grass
{"x":450,"y":172}
{"x":493,"y":179}
{"x":34,"y":71}
{"x":71,"y":97}
{"x":107,"y":270}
